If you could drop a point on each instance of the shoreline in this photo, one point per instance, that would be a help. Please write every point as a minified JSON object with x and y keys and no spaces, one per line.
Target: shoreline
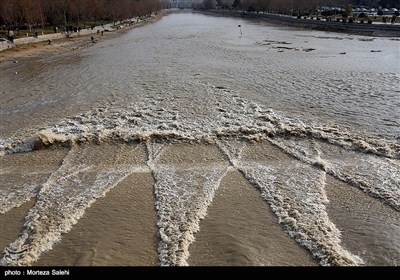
{"x":65,"y":44}
{"x":349,"y":28}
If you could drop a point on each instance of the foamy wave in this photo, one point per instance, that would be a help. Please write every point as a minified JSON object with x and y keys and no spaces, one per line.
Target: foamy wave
{"x":182,"y":199}
{"x":227,"y":116}
{"x":184,"y":194}
{"x":297,"y":196}
{"x":61,"y":202}
{"x":379,"y":177}
{"x":12,"y":196}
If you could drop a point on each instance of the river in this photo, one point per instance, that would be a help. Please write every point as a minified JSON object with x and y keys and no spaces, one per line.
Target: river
{"x":195,"y":141}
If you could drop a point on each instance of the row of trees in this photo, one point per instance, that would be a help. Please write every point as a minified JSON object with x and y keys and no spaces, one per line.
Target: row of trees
{"x":286,"y":5}
{"x":294,"y":5}
{"x":30,"y":13}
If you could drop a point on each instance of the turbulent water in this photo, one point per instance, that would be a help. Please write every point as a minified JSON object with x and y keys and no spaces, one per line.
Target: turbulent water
{"x":277,"y":146}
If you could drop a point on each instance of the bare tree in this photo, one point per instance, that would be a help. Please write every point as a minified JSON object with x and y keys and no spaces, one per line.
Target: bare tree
{"x":227,"y":4}
{"x":30,"y":12}
{"x":11,"y":13}
{"x":209,"y":4}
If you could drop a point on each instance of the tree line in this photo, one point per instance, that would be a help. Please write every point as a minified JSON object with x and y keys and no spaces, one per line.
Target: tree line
{"x":34,"y":13}
{"x":294,"y":5}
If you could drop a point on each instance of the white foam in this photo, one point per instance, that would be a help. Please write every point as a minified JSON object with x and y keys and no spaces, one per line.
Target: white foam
{"x":12,"y":196}
{"x":297,"y":196}
{"x":182,"y":199}
{"x":226,"y":116}
{"x":377,"y":176}
{"x":61,"y":202}
{"x":227,"y":119}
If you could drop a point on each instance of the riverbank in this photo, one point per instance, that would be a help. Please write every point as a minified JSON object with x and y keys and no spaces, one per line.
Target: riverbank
{"x":60,"y":43}
{"x":376,"y":30}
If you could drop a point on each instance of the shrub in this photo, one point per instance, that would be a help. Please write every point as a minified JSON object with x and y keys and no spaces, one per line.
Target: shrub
{"x":327,"y":13}
{"x":369,"y":21}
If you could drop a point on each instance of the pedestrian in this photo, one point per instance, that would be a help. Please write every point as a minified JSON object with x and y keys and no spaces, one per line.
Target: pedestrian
{"x":11,"y":36}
